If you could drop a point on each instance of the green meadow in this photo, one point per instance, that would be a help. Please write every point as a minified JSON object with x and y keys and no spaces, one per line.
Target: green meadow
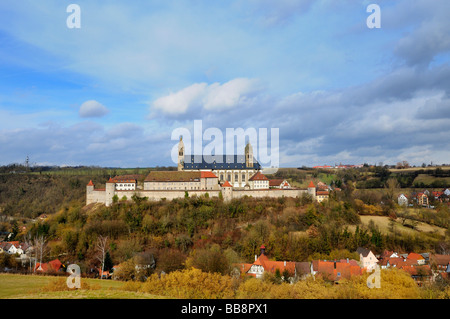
{"x":14,"y":286}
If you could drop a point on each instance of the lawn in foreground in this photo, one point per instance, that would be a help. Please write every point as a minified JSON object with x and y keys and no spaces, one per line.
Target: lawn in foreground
{"x":14,"y":286}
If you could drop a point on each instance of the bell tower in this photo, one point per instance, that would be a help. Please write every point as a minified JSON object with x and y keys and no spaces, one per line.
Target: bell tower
{"x":181,"y":154}
{"x":249,"y":155}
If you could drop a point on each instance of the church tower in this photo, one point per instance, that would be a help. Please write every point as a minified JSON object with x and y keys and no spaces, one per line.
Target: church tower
{"x":181,"y":154}
{"x":249,"y":155}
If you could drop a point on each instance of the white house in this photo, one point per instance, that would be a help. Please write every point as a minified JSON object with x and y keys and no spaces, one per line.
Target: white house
{"x":367,"y":259}
{"x":259,"y":181}
{"x":279,"y":183}
{"x":402,"y":200}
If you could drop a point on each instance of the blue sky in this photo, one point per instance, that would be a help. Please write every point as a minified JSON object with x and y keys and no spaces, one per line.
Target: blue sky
{"x":111,"y":92}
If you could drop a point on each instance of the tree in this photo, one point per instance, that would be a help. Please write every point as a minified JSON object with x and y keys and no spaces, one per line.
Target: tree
{"x":40,"y":249}
{"x":391,"y":187}
{"x":210,"y":260}
{"x":102,"y":249}
{"x":108,"y":262}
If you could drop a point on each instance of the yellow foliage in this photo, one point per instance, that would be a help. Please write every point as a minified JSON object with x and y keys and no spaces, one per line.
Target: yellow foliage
{"x":190,"y":284}
{"x":253,"y":288}
{"x":394,"y":284}
{"x":60,"y":284}
{"x":195,"y":284}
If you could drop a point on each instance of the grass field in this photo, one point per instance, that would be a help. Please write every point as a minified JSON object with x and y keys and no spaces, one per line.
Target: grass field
{"x":13,"y":286}
{"x":383,"y":224}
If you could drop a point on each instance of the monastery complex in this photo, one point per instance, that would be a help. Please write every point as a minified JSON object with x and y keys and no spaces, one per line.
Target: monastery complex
{"x":231,"y":177}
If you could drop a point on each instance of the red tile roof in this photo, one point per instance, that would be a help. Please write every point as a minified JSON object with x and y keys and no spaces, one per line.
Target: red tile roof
{"x":417,"y":270}
{"x":226,"y":184}
{"x":207,"y":174}
{"x":336,"y":270}
{"x":272,"y":266}
{"x":90,"y":183}
{"x":53,"y":265}
{"x":311,"y":185}
{"x":415,"y":256}
{"x":275,"y":182}
{"x":258,"y":177}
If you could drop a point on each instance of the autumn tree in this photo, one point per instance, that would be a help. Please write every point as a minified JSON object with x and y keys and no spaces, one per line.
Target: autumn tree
{"x":102,"y":248}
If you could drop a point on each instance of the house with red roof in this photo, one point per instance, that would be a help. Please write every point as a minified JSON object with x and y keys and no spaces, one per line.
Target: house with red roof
{"x":402,"y":200}
{"x":258,"y":181}
{"x":51,"y":266}
{"x":440,"y":262}
{"x":279,"y":184}
{"x":422,"y":199}
{"x":417,"y":258}
{"x":126,"y":182}
{"x":263,"y":264}
{"x":322,"y":195}
{"x":337,"y":269}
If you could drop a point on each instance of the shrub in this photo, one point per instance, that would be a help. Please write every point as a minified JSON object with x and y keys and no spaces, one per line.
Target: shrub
{"x":190,"y":284}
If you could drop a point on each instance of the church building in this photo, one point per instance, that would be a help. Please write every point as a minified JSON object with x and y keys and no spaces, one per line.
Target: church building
{"x":236,"y":169}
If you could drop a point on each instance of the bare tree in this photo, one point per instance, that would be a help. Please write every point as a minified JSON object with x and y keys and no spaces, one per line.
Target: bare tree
{"x":40,"y":249}
{"x":29,"y":249}
{"x":102,"y":248}
{"x":391,"y":187}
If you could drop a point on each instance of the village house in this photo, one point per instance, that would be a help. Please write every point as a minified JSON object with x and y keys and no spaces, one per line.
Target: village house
{"x":258,"y":181}
{"x":415,"y":264}
{"x":440,"y":262}
{"x":127,"y":182}
{"x":418,"y":258}
{"x":422,"y":199}
{"x":337,"y":269}
{"x":279,"y":184}
{"x":367,"y":259}
{"x":262,"y":264}
{"x":402,"y":200}
{"x":322,"y":195}
{"x":51,"y":266}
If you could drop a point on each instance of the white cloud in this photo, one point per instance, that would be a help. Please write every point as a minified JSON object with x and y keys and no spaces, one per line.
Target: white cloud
{"x":179,"y":102}
{"x":92,"y":108}
{"x":230,"y":94}
{"x":213,"y":97}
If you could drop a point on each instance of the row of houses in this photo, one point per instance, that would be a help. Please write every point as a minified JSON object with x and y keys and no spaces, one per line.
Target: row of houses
{"x":423,"y":198}
{"x":422,"y":267}
{"x":15,"y":247}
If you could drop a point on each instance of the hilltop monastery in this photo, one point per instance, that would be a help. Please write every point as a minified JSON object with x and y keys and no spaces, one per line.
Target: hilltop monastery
{"x":233,"y":176}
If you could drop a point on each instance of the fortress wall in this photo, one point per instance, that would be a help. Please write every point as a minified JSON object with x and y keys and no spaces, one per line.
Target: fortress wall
{"x":96,"y":196}
{"x":172,"y":194}
{"x":270,"y":193}
{"x":99,"y":196}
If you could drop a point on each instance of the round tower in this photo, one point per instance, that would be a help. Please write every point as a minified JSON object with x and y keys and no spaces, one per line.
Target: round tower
{"x":312,"y":190}
{"x":248,"y":155}
{"x":89,"y":192}
{"x":227,"y":191}
{"x":181,"y":154}
{"x":110,"y":191}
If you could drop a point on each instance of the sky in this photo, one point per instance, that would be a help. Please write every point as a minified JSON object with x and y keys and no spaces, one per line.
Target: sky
{"x":113,"y":91}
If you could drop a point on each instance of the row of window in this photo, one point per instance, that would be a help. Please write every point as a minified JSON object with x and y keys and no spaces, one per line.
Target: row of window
{"x":236,"y":177}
